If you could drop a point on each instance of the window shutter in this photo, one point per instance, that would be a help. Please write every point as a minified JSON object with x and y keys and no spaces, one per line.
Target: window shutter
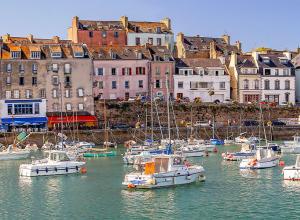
{"x":144,"y":70}
{"x":123,"y":71}
{"x":129,"y":71}
{"x":137,"y":71}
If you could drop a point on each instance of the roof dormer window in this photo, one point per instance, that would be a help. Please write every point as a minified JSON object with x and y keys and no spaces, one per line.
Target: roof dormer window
{"x":35,"y":55}
{"x":266,"y":60}
{"x":136,"y":29}
{"x":113,"y":55}
{"x":139,"y":55}
{"x":158,"y":30}
{"x":56,"y":51}
{"x":283,"y":60}
{"x":15,"y":54}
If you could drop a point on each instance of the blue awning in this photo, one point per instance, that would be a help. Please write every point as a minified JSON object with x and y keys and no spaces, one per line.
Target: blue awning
{"x":25,"y":121}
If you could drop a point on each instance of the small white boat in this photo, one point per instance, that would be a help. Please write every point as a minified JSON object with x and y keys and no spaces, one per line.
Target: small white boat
{"x":14,"y":153}
{"x":56,"y":163}
{"x":262,"y":159}
{"x":292,"y":172}
{"x":228,"y":141}
{"x":163,"y":171}
{"x":247,"y":151}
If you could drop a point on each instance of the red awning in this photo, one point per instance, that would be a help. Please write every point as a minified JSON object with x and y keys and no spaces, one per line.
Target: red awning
{"x":71,"y":119}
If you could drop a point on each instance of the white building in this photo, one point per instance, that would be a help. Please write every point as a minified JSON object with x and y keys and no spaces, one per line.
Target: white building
{"x":296,"y":62}
{"x":153,"y":33}
{"x":277,"y":77}
{"x":24,"y":113}
{"x":201,"y":78}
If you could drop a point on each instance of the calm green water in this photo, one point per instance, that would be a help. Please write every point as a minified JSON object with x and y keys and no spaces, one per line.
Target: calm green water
{"x":226,"y":194}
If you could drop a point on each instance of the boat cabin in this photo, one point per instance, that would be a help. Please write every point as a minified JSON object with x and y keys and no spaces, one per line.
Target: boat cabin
{"x":163,"y":164}
{"x":297,"y":161}
{"x":296,"y":139}
{"x":59,"y":156}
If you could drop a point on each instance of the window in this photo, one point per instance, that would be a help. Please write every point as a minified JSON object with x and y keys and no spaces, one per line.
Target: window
{"x":126,"y":71}
{"x":28,"y":93}
{"x":114,"y":84}
{"x":67,"y":81}
{"x":67,"y":93}
{"x":116,"y":34}
{"x":34,"y":80}
{"x":21,"y":81}
{"x":43,"y":93}
{"x":80,"y":92}
{"x":23,"y":109}
{"x":246,"y":84}
{"x":104,"y":34}
{"x":68,"y":107}
{"x":137,"y":41}
{"x":272,"y":98}
{"x":8,"y":80}
{"x":276,"y":72}
{"x":157,"y":70}
{"x":180,"y":85}
{"x":78,"y":54}
{"x":8,"y":94}
{"x":80,"y":107}
{"x":100,"y":71}
{"x":267,"y":84}
{"x":141,"y":84}
{"x":140,"y":71}
{"x":55,"y":80}
{"x":186,"y":72}
{"x":150,"y":40}
{"x":16,"y":54}
{"x":158,"y":41}
{"x":251,"y":98}
{"x":126,"y":84}
{"x":256,"y":84}
{"x":16,"y":94}
{"x":67,"y":68}
{"x":113,"y":71}
{"x":35,"y":55}
{"x":8,"y":68}
{"x":277,"y":85}
{"x":55,"y":67}
{"x":287,"y":97}
{"x":158,"y":30}
{"x":157,"y":83}
{"x":9,"y":109}
{"x":34,"y":68}
{"x":55,"y":93}
{"x":100,"y":84}
{"x":287,"y":84}
{"x":91,"y":34}
{"x":55,"y":107}
{"x":21,"y":68}
{"x":222,"y":85}
{"x":217,"y":73}
{"x":36,"y":108}
{"x":56,"y":54}
{"x":285,"y":72}
{"x":267,"y":72}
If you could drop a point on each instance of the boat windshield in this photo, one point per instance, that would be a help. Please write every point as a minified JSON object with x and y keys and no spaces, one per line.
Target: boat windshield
{"x":177,"y":161}
{"x":59,"y":157}
{"x":161,"y":165}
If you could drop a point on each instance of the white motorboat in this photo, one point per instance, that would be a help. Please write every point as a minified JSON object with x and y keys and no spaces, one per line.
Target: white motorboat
{"x":191,"y":151}
{"x":292,"y":172}
{"x":228,"y":141}
{"x":56,"y":163}
{"x":14,"y":153}
{"x":292,"y":147}
{"x":262,"y":159}
{"x":163,"y":171}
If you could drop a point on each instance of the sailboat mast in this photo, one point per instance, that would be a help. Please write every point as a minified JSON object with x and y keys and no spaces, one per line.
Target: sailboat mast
{"x":105,"y":124}
{"x":168,"y":109}
{"x":61,"y":114}
{"x":151,"y":95}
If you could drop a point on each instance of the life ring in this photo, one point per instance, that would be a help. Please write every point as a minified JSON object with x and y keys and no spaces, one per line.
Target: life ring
{"x":67,"y":169}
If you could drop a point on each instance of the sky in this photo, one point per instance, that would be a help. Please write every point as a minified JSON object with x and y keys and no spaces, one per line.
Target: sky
{"x":256,"y":23}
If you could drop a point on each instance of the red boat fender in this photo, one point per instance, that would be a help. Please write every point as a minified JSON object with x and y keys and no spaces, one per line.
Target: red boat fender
{"x":215,"y":150}
{"x":131,"y":185}
{"x":83,"y":170}
{"x":281,"y":163}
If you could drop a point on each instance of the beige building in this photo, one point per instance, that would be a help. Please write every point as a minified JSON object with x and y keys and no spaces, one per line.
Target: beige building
{"x":46,"y":68}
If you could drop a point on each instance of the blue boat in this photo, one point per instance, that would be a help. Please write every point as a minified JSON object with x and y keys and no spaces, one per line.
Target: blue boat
{"x":216,"y":141}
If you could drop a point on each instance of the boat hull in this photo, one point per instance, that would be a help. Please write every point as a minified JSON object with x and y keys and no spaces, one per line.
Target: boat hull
{"x":246,"y":163}
{"x":163,"y":180}
{"x":31,"y":170}
{"x":14,"y":155}
{"x":291,"y":173}
{"x":100,"y":154}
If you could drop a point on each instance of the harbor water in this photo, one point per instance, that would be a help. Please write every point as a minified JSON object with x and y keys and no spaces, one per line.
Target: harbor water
{"x":227,"y":193}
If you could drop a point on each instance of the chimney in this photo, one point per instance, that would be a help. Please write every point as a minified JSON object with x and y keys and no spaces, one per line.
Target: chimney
{"x":288,"y":54}
{"x":124,"y":21}
{"x":226,"y":38}
{"x":6,"y":38}
{"x":233,"y":60}
{"x":167,"y":22}
{"x":238,"y":44}
{"x":212,"y":50}
{"x":180,"y":37}
{"x":56,"y":39}
{"x":75,"y":22}
{"x":30,"y":38}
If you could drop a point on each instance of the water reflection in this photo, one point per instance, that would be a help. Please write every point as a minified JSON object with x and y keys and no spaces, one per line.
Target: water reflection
{"x":291,"y":185}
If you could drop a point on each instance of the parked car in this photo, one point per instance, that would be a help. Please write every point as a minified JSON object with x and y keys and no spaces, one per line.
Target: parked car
{"x":250,"y":123}
{"x":120,"y":126}
{"x":278,"y":123}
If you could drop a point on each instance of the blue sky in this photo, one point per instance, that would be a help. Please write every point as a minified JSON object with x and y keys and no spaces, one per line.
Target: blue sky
{"x":270,"y":23}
